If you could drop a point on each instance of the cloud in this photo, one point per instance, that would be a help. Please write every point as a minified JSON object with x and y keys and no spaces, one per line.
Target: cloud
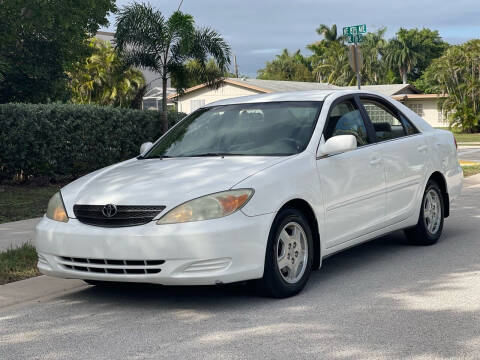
{"x":265,"y":51}
{"x":258,"y":29}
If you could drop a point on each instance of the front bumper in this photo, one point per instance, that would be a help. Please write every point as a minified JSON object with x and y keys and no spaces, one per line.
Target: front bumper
{"x":206,"y":252}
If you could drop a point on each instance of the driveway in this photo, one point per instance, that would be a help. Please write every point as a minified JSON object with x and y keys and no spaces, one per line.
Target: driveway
{"x":381,"y":300}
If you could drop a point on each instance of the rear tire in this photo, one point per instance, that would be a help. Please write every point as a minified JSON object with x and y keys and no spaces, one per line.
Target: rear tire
{"x":430,"y":222}
{"x":289,"y":256}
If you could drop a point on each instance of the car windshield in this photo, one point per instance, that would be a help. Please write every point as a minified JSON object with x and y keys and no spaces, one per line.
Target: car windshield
{"x":261,"y":129}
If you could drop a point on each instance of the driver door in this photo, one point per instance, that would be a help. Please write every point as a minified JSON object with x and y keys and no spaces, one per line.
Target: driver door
{"x":353,"y":183}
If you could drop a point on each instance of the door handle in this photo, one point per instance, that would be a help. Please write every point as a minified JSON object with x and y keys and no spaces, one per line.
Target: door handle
{"x":422,"y":148}
{"x":375,"y":160}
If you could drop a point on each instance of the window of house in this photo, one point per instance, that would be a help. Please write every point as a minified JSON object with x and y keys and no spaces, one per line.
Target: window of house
{"x":443,"y":116}
{"x":150,"y":104}
{"x":416,"y":108}
{"x":196,"y":104}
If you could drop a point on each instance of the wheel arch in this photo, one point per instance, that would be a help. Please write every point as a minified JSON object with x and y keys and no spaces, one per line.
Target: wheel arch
{"x":438,"y":177}
{"x":306,"y":209}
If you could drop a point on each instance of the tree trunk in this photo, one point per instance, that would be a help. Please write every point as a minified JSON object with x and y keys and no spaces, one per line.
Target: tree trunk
{"x":404,"y":76}
{"x":164,"y":103}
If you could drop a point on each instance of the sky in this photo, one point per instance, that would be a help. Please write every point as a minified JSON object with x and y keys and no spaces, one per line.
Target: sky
{"x":257,"y":30}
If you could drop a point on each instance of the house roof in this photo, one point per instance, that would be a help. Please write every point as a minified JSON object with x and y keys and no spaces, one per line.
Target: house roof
{"x":270,"y":86}
{"x":402,"y":97}
{"x":280,"y":85}
{"x":156,"y":93}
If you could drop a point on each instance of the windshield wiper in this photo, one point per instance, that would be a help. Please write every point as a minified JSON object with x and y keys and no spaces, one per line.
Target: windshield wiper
{"x":153,"y":157}
{"x":210,"y":154}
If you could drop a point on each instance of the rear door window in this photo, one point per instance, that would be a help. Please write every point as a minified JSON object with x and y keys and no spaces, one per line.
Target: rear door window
{"x":386,"y":121}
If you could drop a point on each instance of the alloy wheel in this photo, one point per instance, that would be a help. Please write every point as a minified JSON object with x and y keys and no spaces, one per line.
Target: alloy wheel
{"x":292,"y":252}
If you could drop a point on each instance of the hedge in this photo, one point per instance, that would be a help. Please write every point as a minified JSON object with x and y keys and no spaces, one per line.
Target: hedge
{"x":60,"y":142}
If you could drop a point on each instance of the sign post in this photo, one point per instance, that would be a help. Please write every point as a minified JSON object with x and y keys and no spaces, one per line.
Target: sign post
{"x":354,"y":36}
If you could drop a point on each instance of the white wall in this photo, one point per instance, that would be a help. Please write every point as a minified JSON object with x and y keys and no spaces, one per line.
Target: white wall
{"x":430,"y":111}
{"x":226,"y":91}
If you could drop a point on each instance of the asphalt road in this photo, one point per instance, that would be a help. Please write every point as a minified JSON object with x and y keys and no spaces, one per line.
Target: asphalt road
{"x":469,"y":154}
{"x":381,"y":300}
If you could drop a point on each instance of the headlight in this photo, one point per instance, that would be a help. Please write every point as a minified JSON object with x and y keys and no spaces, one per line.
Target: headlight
{"x":56,"y":209}
{"x":208,"y":207}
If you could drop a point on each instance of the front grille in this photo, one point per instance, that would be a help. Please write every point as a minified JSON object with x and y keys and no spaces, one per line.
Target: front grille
{"x":108,"y":266}
{"x":126,"y":215}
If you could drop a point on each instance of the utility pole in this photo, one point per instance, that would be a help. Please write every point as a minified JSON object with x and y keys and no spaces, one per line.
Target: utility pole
{"x":354,"y":35}
{"x":235,"y":66}
{"x":357,"y":65}
{"x":179,"y":5}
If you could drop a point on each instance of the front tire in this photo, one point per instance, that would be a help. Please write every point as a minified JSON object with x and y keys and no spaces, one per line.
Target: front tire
{"x":430,"y":222}
{"x":289,"y":256}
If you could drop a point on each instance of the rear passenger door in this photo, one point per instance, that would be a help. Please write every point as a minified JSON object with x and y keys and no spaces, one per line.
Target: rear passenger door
{"x":403,"y":151}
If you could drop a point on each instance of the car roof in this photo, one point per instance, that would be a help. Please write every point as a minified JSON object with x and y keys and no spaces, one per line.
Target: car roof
{"x":309,"y":95}
{"x":320,"y":95}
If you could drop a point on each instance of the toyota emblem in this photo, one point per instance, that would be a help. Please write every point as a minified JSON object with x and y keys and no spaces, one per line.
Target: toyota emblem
{"x":109,"y":210}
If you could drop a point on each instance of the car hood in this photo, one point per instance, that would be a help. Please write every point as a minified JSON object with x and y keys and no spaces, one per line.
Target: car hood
{"x":167,"y":182}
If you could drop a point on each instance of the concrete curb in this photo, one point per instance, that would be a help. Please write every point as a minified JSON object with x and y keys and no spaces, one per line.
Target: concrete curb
{"x":466,"y":146}
{"x":35,"y":288}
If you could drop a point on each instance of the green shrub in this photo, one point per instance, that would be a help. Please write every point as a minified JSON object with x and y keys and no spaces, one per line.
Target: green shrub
{"x":64,"y":141}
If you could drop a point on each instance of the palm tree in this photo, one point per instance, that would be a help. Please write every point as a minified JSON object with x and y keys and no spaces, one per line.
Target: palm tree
{"x":457,"y":74}
{"x":330,"y":34}
{"x":402,"y":54}
{"x":286,"y":66}
{"x":104,"y":78}
{"x":148,"y":40}
{"x":333,"y":66}
{"x":373,"y":48}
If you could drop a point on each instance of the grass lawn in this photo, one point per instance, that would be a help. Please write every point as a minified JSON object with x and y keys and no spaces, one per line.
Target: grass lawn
{"x":463,"y":137}
{"x":23,"y":202}
{"x":471,"y":170}
{"x":467,"y":137}
{"x":18,"y":264}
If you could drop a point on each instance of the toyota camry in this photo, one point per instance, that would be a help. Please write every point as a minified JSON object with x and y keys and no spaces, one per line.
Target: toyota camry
{"x":258,"y":188}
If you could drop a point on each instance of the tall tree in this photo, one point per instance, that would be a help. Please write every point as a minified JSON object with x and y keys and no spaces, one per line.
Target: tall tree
{"x":330,"y":34}
{"x":147,"y":39}
{"x":411,"y":51}
{"x":373,"y":48}
{"x":196,"y":73}
{"x":104,"y":79}
{"x":457,"y":74}
{"x":330,"y":38}
{"x":41,"y":40}
{"x":286,"y":66}
{"x":332,"y":65}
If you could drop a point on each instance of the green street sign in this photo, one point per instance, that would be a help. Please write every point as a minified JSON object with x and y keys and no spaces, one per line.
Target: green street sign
{"x":353,"y":39}
{"x":355,"y":30}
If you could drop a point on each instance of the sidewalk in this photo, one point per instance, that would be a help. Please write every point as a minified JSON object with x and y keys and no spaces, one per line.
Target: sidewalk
{"x":35,"y":288}
{"x":14,"y":234}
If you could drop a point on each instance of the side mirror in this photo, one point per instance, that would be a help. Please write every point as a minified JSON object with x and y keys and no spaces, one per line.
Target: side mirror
{"x":338,"y":144}
{"x":145,"y":147}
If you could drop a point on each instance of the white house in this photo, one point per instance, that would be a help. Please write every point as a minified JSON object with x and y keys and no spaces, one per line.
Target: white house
{"x":425,"y":105}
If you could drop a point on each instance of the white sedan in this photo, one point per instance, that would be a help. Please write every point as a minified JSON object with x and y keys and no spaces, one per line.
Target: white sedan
{"x":257,"y":188}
